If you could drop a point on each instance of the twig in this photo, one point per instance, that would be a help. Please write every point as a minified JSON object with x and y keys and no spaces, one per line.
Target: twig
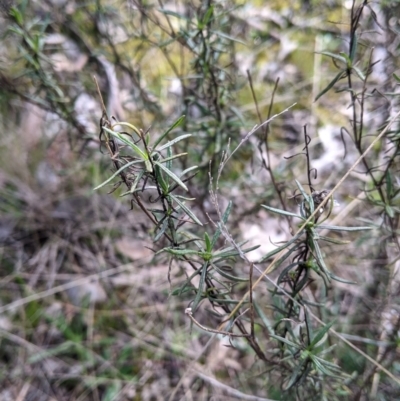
{"x":188,"y":312}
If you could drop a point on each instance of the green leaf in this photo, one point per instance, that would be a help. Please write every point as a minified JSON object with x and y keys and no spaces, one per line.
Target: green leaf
{"x":117,"y":173}
{"x":359,"y":73}
{"x":228,"y":276}
{"x":297,"y":373}
{"x":281,"y":248}
{"x":134,"y":184}
{"x":17,"y":15}
{"x":231,"y":38}
{"x":187,"y":171}
{"x":188,"y":282}
{"x":321,"y":365}
{"x":172,"y":175}
{"x":334,"y":240}
{"x":320,"y":334}
{"x":207,"y":242}
{"x":338,"y":228}
{"x":286,"y":341}
{"x":330,"y":365}
{"x":309,"y":327}
{"x":169,"y":162}
{"x":285,"y":272}
{"x":162,"y":230}
{"x":207,"y":16}
{"x":131,"y":126}
{"x":174,"y":125}
{"x":263,"y":317}
{"x":396,"y":77}
{"x":389,"y":211}
{"x":170,"y":143}
{"x":199,"y":293}
{"x":338,"y":57}
{"x":182,"y":290}
{"x":186,"y":209}
{"x":180,"y":252}
{"x":225,"y":217}
{"x":138,"y":189}
{"x":353,"y":50}
{"x":185,"y":198}
{"x":389,"y":185}
{"x":306,"y":196}
{"x":347,"y":58}
{"x":281,"y":212}
{"x":112,"y":391}
{"x":341,"y":280}
{"x":339,"y":76}
{"x":227,"y":254}
{"x":160,"y":180}
{"x":223,"y":300}
{"x":167,"y":159}
{"x":126,"y":141}
{"x":319,"y":258}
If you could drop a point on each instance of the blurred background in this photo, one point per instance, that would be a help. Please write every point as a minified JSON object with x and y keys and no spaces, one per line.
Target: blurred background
{"x":88,"y":311}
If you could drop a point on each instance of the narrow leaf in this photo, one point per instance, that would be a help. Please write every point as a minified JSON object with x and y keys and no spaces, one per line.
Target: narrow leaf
{"x":320,"y":334}
{"x":225,"y":36}
{"x":341,"y":280}
{"x":199,"y":293}
{"x":286,"y":341}
{"x":208,"y":15}
{"x":306,"y":196}
{"x":167,"y":159}
{"x":132,"y":127}
{"x":173,"y":141}
{"x":228,"y":276}
{"x":335,"y":56}
{"x":126,"y":141}
{"x":359,"y":73}
{"x":117,"y":173}
{"x":135,"y":183}
{"x":333,"y":240}
{"x":281,"y":248}
{"x":187,"y":171}
{"x":263,"y":317}
{"x":180,"y":252}
{"x":353,"y":49}
{"x":162,"y":230}
{"x":295,"y":375}
{"x":224,"y":255}
{"x":282,"y":212}
{"x":338,"y":228}
{"x":174,"y":125}
{"x":224,"y":219}
{"x":172,"y":175}
{"x":207,"y":242}
{"x":339,"y":76}
{"x":186,"y":210}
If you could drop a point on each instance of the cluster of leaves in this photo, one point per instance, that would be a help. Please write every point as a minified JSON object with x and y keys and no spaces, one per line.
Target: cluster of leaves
{"x":302,"y":357}
{"x":205,"y":32}
{"x":158,"y":177}
{"x":144,"y":168}
{"x":302,"y":351}
{"x":36,"y":66}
